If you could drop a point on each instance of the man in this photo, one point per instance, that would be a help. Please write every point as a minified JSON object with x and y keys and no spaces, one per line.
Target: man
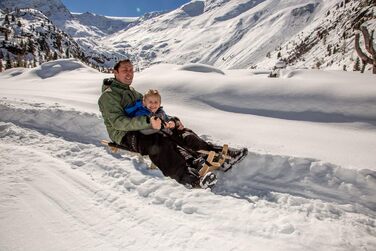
{"x":117,"y":94}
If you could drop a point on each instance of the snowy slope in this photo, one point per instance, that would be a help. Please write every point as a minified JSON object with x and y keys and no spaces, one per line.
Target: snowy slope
{"x":32,"y":40}
{"x":56,"y":11}
{"x":308,"y":182}
{"x":53,"y":9}
{"x":328,"y":42}
{"x":84,"y":31}
{"x":240,"y":34}
{"x":226,"y":34}
{"x":107,"y":25}
{"x":234,"y":34}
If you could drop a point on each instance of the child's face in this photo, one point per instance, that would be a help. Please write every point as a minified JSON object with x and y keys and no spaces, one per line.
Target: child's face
{"x":152,"y":103}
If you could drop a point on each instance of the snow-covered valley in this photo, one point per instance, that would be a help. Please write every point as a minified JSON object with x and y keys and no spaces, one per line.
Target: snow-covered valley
{"x":241,"y":34}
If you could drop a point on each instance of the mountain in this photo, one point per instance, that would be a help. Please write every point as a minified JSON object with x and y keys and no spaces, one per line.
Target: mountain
{"x":29,"y":38}
{"x":53,"y":9}
{"x":85,"y":29}
{"x":329,"y":41}
{"x":106,"y":25}
{"x":226,"y":34}
{"x":241,"y":34}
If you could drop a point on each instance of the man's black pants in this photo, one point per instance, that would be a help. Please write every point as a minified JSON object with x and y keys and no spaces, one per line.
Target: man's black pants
{"x":164,"y":152}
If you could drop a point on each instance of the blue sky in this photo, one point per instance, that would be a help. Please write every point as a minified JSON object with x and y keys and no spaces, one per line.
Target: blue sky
{"x":124,"y":8}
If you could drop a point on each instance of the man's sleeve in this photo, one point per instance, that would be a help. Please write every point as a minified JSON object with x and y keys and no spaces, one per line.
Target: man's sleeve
{"x":114,"y":114}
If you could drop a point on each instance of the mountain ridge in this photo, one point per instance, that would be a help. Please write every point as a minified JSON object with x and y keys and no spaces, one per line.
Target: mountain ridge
{"x":222,"y":33}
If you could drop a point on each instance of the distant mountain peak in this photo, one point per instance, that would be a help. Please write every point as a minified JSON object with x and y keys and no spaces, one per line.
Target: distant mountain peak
{"x":55,"y":10}
{"x":194,"y":8}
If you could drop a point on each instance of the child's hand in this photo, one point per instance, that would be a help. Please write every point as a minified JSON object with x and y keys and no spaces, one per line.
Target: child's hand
{"x":155,"y":122}
{"x":170,"y":125}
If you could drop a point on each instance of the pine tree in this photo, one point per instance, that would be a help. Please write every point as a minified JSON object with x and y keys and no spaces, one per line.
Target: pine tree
{"x":8,"y":63}
{"x":6,"y":20}
{"x":344,"y":47}
{"x":20,"y":61}
{"x":1,"y":65}
{"x":48,"y":56}
{"x":279,"y":54}
{"x":67,"y":53}
{"x":318,"y":64}
{"x":22,"y":44}
{"x":58,"y":42}
{"x":30,"y":46}
{"x":357,"y":65}
{"x":329,"y":49}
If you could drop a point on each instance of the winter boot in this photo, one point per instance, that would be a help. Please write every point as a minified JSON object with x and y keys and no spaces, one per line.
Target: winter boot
{"x":208,"y":180}
{"x":197,"y":163}
{"x":236,"y":156}
{"x":191,"y":178}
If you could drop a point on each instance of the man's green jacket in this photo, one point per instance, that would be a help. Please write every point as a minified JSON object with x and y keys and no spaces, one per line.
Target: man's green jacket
{"x":115,"y":96}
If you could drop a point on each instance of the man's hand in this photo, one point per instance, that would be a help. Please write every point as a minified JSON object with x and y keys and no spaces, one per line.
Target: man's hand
{"x":180,"y":125}
{"x":156,"y":123}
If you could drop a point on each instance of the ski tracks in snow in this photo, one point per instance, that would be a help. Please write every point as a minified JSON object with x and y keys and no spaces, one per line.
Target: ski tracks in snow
{"x":51,"y":159}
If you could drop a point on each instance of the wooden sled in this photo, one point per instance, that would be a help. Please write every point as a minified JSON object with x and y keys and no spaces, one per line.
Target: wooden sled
{"x":208,"y":166}
{"x":115,"y":149}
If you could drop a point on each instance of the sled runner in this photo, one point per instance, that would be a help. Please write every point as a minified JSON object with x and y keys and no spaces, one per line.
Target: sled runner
{"x":115,"y":148}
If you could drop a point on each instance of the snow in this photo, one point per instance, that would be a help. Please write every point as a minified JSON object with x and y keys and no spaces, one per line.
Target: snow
{"x":194,"y":8}
{"x":226,"y":34}
{"x":54,"y":9}
{"x":308,"y":182}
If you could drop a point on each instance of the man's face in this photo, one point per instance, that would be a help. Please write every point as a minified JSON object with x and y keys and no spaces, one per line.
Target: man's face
{"x":152,"y":103}
{"x":125,"y":73}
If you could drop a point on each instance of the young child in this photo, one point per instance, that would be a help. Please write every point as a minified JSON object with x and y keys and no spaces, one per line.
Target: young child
{"x":186,"y":138}
{"x":151,"y":106}
{"x":152,"y":101}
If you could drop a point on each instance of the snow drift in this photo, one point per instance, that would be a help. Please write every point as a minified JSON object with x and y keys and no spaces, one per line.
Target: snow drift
{"x":58,"y":182}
